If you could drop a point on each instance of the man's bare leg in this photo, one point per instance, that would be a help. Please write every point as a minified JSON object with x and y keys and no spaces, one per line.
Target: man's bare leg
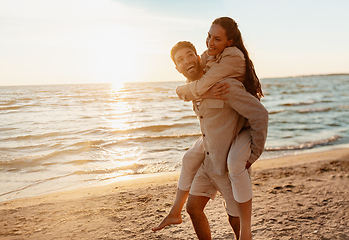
{"x":174,"y":216}
{"x":245,"y":212}
{"x":235,"y":224}
{"x":195,"y":209}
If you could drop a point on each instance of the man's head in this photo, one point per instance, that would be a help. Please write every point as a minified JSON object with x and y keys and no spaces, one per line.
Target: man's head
{"x":187,"y":62}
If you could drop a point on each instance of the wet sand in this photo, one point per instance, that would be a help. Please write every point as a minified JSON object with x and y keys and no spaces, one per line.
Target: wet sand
{"x":296,"y":197}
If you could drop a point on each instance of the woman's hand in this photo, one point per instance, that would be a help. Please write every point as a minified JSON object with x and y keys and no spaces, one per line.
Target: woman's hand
{"x":248,"y":165}
{"x":216,"y":91}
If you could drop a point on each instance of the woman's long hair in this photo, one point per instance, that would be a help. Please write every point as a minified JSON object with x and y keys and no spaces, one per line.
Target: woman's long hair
{"x":251,"y":81}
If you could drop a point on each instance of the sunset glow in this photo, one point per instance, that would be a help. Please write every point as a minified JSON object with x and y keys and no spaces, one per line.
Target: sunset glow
{"x":99,"y":41}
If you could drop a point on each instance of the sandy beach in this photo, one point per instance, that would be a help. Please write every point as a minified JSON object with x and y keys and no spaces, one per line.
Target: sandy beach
{"x":295,"y":197}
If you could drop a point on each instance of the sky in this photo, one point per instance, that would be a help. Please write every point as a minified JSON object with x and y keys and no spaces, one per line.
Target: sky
{"x":97,"y":41}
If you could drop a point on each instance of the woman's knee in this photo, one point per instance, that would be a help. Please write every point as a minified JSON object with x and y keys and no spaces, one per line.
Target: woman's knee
{"x":236,"y":168}
{"x":237,"y":160}
{"x":192,"y":160}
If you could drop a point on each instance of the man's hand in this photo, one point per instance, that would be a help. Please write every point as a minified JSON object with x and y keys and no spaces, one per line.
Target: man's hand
{"x":216,"y":91}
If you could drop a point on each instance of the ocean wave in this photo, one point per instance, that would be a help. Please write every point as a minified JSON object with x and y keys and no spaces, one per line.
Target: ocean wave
{"x":326,"y":101}
{"x":34,"y":183}
{"x":149,"y":138}
{"x":25,"y":162}
{"x":34,"y":136}
{"x":145,"y":139}
{"x":7,"y":102}
{"x":56,"y":151}
{"x":3,"y":129}
{"x":133,"y":167}
{"x":188,"y":117}
{"x":345,"y":107}
{"x":276,"y":111}
{"x":82,"y":162}
{"x":306,"y":145}
{"x":20,"y":105}
{"x":312,"y":110}
{"x":154,"y":128}
{"x":298,"y":104}
{"x":41,"y":146}
{"x":173,"y":96}
{"x":7,"y":108}
{"x":26,"y":98}
{"x":137,"y":99}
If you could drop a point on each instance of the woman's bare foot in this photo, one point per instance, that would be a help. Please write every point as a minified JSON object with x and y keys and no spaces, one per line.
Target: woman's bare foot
{"x":174,"y":217}
{"x":168,"y":220}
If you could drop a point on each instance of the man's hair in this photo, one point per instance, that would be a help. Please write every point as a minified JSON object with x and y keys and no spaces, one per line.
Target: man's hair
{"x":179,"y":46}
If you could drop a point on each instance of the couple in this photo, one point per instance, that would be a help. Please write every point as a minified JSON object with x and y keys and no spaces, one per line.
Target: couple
{"x":225,"y":92}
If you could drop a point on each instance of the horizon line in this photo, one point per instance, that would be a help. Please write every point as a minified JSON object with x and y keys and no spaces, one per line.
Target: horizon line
{"x":91,"y":83}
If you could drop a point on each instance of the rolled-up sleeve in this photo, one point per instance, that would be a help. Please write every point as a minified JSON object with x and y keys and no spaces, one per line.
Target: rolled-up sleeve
{"x":184,"y":93}
{"x":231,"y":65}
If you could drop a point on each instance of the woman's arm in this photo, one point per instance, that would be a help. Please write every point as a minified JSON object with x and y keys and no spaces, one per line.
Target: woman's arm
{"x":231,"y":63}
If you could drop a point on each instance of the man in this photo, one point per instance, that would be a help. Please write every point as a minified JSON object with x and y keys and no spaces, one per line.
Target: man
{"x":220,"y":123}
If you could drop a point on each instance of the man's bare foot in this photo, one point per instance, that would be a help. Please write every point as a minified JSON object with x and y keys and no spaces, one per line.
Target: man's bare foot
{"x":246,"y":236}
{"x":168,"y":220}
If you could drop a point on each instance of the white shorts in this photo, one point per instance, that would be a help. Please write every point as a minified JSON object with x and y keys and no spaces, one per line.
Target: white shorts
{"x":207,"y":184}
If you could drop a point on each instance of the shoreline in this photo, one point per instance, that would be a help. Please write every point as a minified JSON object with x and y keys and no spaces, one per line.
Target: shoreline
{"x":299,"y":196}
{"x":149,"y":178}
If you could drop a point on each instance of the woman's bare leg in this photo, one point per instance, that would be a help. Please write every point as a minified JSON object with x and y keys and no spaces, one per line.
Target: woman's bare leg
{"x":235,"y":224}
{"x":191,"y":162}
{"x":238,"y":165}
{"x":245,"y":212}
{"x":174,"y":216}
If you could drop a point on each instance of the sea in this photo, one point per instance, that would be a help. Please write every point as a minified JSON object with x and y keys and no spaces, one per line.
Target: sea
{"x":60,"y":137}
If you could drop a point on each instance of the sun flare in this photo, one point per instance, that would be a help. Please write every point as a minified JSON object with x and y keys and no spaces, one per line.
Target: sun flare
{"x":117,"y":54}
{"x":117,"y":66}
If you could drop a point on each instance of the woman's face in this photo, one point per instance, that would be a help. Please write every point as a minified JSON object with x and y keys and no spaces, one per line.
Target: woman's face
{"x":217,"y":40}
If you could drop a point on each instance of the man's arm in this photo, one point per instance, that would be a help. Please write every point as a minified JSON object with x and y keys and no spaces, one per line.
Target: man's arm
{"x":214,"y":92}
